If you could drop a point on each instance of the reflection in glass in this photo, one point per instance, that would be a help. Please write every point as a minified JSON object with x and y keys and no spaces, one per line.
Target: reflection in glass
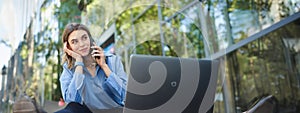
{"x":237,"y":20}
{"x":268,"y":66}
{"x":184,"y":36}
{"x":141,"y":5}
{"x":133,"y":35}
{"x":170,"y":7}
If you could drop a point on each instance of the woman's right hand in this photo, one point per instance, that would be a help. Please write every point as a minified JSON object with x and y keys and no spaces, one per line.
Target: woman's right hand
{"x":73,"y":54}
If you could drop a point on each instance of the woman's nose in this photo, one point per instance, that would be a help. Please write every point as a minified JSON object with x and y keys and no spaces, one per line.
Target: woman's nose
{"x":81,"y":43}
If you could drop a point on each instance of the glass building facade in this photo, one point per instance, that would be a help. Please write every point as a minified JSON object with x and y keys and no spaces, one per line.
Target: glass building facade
{"x":257,"y":42}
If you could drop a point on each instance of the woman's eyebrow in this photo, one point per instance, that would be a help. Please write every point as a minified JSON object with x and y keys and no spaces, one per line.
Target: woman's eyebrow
{"x":74,"y":39}
{"x":83,"y":35}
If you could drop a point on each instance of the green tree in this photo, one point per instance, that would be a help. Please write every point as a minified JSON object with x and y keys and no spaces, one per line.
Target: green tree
{"x":68,"y":12}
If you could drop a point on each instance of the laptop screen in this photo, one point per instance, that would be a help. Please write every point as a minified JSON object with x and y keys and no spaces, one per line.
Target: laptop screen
{"x":158,"y":84}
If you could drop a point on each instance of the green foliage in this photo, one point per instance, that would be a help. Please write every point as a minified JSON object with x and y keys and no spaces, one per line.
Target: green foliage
{"x":67,"y":13}
{"x":147,"y":32}
{"x":257,"y":68}
{"x":24,"y":51}
{"x":149,"y":48}
{"x":50,"y":49}
{"x":102,"y":14}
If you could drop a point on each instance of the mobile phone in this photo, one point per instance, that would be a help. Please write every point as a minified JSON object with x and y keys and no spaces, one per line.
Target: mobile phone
{"x":96,"y":57}
{"x":92,"y":42}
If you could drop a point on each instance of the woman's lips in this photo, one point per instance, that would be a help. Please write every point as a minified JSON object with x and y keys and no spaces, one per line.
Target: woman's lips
{"x":84,"y":50}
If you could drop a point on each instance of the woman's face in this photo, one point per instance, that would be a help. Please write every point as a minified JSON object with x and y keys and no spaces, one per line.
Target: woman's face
{"x":79,"y":42}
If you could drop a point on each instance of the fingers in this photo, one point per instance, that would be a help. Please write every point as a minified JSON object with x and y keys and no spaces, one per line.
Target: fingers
{"x":97,"y":53}
{"x":70,"y":52}
{"x":66,"y":48}
{"x":97,"y":48}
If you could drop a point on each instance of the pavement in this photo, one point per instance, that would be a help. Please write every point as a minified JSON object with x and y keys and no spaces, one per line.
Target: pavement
{"x":52,"y":106}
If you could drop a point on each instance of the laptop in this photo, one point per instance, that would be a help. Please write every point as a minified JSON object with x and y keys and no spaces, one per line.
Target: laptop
{"x":158,"y":84}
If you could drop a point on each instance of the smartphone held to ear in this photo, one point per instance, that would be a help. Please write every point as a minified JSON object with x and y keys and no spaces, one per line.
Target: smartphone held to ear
{"x":93,"y":43}
{"x":96,"y":57}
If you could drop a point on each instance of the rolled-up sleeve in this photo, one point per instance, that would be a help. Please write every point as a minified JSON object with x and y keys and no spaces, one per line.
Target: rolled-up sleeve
{"x":71,"y":85}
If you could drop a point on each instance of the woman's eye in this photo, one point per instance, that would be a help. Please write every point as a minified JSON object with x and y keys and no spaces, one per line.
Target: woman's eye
{"x":73,"y":42}
{"x":84,"y":38}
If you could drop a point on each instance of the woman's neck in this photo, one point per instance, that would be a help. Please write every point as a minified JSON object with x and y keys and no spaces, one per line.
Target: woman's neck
{"x":88,"y":60}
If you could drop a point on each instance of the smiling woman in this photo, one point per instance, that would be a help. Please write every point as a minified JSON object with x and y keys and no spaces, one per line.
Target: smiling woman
{"x":91,"y":81}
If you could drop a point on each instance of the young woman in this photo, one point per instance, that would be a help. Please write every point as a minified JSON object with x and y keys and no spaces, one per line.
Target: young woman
{"x":91,"y":80}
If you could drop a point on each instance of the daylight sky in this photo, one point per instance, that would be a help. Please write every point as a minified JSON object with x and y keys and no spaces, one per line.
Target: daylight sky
{"x":6,"y":30}
{"x":15,"y":17}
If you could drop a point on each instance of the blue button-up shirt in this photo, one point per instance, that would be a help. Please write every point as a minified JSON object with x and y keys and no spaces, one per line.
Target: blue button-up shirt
{"x":99,"y":92}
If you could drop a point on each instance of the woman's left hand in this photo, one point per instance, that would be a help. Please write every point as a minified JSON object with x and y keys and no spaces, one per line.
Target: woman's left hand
{"x":98,"y":52}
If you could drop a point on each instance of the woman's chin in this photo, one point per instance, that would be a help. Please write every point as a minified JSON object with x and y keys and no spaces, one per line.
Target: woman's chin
{"x":85,"y":54}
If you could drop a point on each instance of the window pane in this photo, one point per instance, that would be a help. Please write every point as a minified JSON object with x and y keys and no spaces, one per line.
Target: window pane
{"x":236,"y":20}
{"x":183,"y":34}
{"x":268,"y":66}
{"x":170,"y":7}
{"x":141,"y":5}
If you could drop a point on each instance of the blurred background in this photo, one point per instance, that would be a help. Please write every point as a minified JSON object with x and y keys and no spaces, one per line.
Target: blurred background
{"x":258,"y":40}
